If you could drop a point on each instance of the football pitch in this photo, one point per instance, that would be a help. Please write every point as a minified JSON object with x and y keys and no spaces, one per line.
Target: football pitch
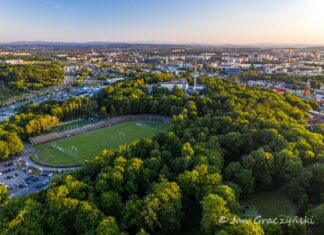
{"x":76,"y":149}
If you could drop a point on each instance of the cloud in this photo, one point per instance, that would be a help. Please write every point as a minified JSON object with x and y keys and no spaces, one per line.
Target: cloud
{"x":54,"y":5}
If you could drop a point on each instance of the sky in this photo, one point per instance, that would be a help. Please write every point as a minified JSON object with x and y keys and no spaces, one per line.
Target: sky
{"x":163,"y":21}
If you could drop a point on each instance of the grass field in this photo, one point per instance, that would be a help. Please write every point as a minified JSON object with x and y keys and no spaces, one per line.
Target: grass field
{"x":271,"y":204}
{"x":77,"y":149}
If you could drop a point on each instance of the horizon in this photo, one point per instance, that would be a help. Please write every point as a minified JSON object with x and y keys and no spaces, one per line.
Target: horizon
{"x":163,"y":22}
{"x":257,"y":44}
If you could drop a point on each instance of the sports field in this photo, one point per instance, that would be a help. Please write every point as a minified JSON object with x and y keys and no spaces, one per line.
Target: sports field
{"x":77,"y":149}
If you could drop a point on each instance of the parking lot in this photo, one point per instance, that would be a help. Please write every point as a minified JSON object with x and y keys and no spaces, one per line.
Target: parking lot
{"x":21,"y":180}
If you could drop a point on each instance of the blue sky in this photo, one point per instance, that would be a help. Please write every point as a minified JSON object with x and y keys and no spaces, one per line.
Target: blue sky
{"x":175,"y":21}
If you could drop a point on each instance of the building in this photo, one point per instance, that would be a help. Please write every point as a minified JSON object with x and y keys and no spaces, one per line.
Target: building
{"x":259,"y":83}
{"x":114,"y":80}
{"x":230,"y":71}
{"x":14,"y":62}
{"x":182,"y":84}
{"x":72,"y":69}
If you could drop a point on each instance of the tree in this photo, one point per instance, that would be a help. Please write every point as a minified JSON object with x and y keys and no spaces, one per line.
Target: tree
{"x":4,"y":150}
{"x":187,"y":150}
{"x":29,"y":219}
{"x":110,"y":203}
{"x":127,"y":108}
{"x":3,"y":194}
{"x":14,"y":144}
{"x":142,"y":232}
{"x":162,"y":208}
{"x":272,"y":229}
{"x":177,"y":91}
{"x":228,"y":194}
{"x":112,"y":110}
{"x":103,"y":113}
{"x":303,"y":205}
{"x":262,"y":165}
{"x":57,"y":112}
{"x":131,"y":215}
{"x":232,"y":143}
{"x":87,"y":218}
{"x":40,"y":124}
{"x":10,"y":144}
{"x":242,"y":177}
{"x":213,"y":207}
{"x":108,"y":226}
{"x":192,"y":109}
{"x":246,"y":228}
{"x":316,"y":184}
{"x":199,"y":182}
{"x":293,"y":228}
{"x":317,"y":214}
{"x":297,"y":178}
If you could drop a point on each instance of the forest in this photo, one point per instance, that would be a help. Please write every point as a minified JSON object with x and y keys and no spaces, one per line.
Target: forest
{"x":31,"y":76}
{"x":220,"y":149}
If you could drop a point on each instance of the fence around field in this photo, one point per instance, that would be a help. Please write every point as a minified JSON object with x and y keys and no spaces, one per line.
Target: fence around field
{"x":105,"y":123}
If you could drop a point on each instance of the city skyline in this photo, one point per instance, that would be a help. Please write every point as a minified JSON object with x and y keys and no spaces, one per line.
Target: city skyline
{"x":164,"y":21}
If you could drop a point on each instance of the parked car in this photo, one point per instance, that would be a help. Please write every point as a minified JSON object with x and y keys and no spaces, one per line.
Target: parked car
{"x":9,"y":164}
{"x":34,"y":179}
{"x":40,"y":185}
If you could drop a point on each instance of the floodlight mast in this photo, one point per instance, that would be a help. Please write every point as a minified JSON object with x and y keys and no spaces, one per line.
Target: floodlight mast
{"x":195,"y":78}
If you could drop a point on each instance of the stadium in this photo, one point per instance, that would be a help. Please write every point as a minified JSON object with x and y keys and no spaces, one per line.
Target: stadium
{"x":73,"y":147}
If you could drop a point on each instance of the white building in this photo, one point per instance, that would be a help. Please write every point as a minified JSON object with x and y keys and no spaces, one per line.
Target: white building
{"x":13,"y":62}
{"x":114,"y":80}
{"x":71,"y":69}
{"x":182,"y":84}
